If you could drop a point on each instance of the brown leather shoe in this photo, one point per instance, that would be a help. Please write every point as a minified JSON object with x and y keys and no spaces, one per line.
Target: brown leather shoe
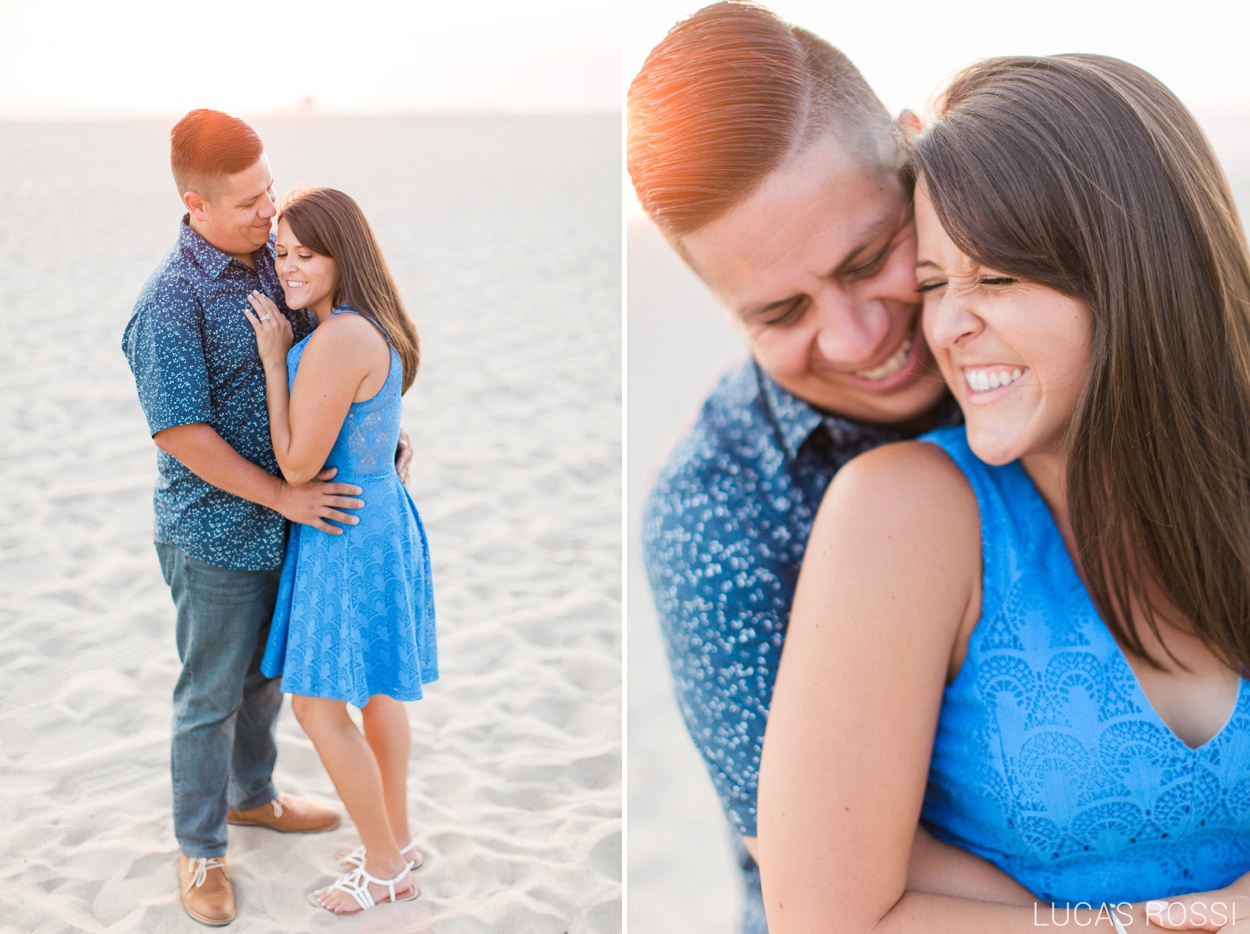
{"x":289,"y":815}
{"x":207,"y":895}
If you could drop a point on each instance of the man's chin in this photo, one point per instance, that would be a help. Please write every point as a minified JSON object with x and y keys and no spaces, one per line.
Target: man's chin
{"x":903,"y":405}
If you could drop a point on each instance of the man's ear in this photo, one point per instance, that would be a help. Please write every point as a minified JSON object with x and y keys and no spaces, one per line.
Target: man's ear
{"x":906,"y":129}
{"x":908,"y":123}
{"x":196,"y":205}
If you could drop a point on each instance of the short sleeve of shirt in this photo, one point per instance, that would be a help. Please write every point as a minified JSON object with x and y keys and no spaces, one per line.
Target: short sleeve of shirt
{"x":164,"y":344}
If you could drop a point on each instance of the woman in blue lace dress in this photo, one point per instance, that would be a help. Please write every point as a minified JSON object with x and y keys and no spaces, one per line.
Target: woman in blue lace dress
{"x":354,"y":622}
{"x":1031,"y":633}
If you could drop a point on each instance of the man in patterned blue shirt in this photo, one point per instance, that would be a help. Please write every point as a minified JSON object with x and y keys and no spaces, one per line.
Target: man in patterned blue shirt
{"x":770,"y":166}
{"x":221,"y":506}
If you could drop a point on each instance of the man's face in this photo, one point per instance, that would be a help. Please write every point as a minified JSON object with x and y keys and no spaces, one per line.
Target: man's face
{"x":238,"y":219}
{"x":817,"y":268}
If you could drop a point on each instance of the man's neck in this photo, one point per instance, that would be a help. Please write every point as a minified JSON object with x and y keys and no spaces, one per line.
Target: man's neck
{"x":246,"y":259}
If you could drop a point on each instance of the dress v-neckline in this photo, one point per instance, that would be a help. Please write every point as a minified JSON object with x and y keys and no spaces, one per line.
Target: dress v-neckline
{"x":1143,"y":699}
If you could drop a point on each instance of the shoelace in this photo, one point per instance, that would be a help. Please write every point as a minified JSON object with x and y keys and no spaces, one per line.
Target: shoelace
{"x":200,"y":867}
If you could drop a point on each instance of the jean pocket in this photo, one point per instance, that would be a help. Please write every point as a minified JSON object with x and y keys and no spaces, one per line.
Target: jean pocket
{"x":225,"y":587}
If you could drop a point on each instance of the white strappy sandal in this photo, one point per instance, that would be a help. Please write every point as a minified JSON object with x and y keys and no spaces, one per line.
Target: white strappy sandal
{"x":356,"y":884}
{"x":356,"y":858}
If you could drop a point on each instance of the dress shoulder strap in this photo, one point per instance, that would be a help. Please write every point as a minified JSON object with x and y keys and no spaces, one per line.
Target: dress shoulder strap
{"x":1009,"y":507}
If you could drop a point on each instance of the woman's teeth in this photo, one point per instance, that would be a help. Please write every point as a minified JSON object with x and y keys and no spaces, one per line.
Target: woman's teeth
{"x":891,"y":366}
{"x":294,"y":285}
{"x":985,"y":380}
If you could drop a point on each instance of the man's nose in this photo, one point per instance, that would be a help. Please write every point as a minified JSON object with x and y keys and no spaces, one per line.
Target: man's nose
{"x":851,"y":332}
{"x":268,"y":207}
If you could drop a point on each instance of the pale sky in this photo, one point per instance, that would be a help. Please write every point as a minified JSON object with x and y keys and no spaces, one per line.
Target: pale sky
{"x":160,"y":58}
{"x":906,"y":47}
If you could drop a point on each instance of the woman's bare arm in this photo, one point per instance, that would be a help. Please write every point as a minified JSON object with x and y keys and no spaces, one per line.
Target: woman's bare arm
{"x":889,"y":578}
{"x":343,"y":355}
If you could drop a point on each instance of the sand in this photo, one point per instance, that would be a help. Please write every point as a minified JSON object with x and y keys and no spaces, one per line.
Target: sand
{"x":511,"y":268}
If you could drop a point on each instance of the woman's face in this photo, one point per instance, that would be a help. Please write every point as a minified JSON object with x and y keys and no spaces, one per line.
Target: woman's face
{"x":309,"y":280}
{"x":1015,"y":353}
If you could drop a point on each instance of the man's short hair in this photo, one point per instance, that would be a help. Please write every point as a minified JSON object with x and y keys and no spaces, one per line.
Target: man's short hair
{"x":207,"y":146}
{"x":730,"y":94}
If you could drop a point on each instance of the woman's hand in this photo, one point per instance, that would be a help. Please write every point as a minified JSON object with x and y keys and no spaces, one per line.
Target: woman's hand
{"x":403,"y":456}
{"x":273,"y":332}
{"x":1204,"y":911}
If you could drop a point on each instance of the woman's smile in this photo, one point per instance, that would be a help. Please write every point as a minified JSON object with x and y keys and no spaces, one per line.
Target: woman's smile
{"x":982,"y":380}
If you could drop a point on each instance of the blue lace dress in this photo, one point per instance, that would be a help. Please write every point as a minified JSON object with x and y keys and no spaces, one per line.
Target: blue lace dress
{"x":355,"y":612}
{"x":1049,"y":760}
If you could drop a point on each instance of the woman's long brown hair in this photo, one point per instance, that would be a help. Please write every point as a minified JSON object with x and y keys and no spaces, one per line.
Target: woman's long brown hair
{"x":1085,"y":174}
{"x":331,"y":223}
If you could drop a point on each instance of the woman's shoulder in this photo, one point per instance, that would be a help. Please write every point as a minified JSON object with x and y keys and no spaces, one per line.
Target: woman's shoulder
{"x":348,"y":325}
{"x":344,"y":333}
{"x":898,"y":541}
{"x":910,"y":502}
{"x":914,"y":474}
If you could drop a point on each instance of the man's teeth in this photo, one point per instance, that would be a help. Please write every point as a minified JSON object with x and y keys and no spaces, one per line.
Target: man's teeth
{"x":891,"y":366}
{"x":985,"y":380}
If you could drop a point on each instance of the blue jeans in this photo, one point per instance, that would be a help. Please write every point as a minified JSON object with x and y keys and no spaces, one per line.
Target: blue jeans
{"x":224,"y":708}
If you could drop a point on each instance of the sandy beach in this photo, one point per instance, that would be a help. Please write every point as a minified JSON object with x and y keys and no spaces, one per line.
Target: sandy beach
{"x":503,"y":234}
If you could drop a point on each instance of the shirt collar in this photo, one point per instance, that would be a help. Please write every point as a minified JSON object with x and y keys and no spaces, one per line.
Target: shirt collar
{"x":796,"y":420}
{"x":207,"y":256}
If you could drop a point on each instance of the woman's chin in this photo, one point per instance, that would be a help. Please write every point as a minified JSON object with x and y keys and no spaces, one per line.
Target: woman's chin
{"x":992,"y":450}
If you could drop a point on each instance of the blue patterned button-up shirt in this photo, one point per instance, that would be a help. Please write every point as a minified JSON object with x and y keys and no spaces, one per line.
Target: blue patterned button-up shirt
{"x":723,"y":535}
{"x":194,"y":359}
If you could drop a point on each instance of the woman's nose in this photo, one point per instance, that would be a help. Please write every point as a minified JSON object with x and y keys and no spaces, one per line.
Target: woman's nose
{"x":948,"y":319}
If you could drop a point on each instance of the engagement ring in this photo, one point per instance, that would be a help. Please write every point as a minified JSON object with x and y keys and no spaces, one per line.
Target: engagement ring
{"x":266,"y":317}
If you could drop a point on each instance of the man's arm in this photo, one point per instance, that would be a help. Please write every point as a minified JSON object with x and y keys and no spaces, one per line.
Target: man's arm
{"x":211,"y":458}
{"x":942,"y":869}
